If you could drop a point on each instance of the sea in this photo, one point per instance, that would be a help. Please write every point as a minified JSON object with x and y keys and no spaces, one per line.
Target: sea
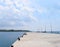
{"x":8,"y":38}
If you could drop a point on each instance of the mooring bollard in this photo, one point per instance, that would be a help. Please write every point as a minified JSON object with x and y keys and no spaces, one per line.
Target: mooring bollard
{"x":12,"y":46}
{"x":18,"y":38}
{"x":24,"y":34}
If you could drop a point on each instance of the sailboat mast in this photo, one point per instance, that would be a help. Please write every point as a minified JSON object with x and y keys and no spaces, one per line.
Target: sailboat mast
{"x":45,"y":28}
{"x":51,"y":27}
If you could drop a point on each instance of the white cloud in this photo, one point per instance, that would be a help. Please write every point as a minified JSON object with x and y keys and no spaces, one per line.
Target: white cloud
{"x":22,"y":10}
{"x":30,"y":9}
{"x":12,"y":23}
{"x":1,"y":17}
{"x":24,"y":23}
{"x":1,"y":0}
{"x":33,"y":18}
{"x":1,"y":7}
{"x":42,"y":10}
{"x":4,"y":7}
{"x":8,"y":2}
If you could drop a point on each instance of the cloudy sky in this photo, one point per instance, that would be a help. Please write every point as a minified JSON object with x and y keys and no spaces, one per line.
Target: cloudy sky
{"x":30,"y":14}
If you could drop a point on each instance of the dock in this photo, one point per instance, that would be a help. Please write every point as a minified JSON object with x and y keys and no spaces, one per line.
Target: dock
{"x":33,"y":39}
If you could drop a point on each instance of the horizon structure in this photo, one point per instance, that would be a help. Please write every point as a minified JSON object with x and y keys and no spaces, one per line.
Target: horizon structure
{"x":30,"y":15}
{"x":45,"y":29}
{"x":51,"y":27}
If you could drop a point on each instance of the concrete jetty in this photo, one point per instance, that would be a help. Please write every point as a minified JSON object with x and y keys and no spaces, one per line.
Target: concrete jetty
{"x":33,"y":39}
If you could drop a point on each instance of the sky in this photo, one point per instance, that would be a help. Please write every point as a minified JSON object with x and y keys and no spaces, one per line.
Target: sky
{"x":30,"y":14}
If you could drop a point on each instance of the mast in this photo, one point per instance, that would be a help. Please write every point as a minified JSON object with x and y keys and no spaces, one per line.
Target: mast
{"x":41,"y":29}
{"x":45,"y":29}
{"x":51,"y":27}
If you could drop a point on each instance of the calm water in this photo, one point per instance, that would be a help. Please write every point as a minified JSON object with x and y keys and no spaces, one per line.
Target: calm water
{"x":7,"y":38}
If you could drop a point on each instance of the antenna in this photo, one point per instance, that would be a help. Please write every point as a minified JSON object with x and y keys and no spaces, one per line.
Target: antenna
{"x":51,"y":27}
{"x":41,"y":29}
{"x":45,"y":28}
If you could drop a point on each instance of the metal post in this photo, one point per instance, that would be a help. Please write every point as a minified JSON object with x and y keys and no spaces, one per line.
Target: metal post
{"x":12,"y":46}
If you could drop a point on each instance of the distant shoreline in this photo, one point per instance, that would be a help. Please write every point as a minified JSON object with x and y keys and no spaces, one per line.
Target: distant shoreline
{"x":15,"y":31}
{"x":55,"y":32}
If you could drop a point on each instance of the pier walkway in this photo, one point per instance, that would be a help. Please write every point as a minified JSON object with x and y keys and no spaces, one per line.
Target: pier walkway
{"x":38,"y":40}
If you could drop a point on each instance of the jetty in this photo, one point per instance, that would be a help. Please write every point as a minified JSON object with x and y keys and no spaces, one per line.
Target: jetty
{"x":33,"y":39}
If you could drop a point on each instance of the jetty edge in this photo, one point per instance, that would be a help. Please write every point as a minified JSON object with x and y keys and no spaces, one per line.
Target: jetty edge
{"x":33,"y":39}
